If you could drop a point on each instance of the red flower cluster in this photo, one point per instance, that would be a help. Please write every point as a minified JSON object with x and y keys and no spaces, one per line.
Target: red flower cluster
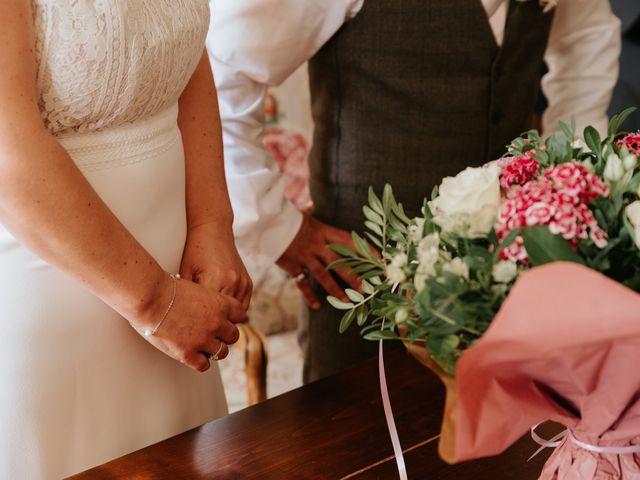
{"x":632,"y":141}
{"x":518,"y":171}
{"x":558,"y":198}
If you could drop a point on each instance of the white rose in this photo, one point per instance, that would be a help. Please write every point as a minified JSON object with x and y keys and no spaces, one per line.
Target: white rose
{"x":504,"y":271}
{"x":467,"y":203}
{"x":613,"y":170}
{"x":457,"y":267}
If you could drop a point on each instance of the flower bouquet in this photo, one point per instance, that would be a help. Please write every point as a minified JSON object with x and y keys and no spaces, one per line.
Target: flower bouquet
{"x":518,"y":287}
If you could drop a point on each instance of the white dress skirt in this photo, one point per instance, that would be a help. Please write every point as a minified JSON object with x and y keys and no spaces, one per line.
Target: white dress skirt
{"x":78,"y":385}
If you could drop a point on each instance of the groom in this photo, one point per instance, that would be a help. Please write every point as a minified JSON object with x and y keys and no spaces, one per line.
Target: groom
{"x":403,"y":92}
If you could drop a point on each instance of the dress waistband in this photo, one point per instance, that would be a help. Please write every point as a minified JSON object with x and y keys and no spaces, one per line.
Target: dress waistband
{"x":123,"y":144}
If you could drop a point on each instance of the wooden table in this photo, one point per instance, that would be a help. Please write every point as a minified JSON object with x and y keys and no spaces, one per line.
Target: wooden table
{"x":331,"y":429}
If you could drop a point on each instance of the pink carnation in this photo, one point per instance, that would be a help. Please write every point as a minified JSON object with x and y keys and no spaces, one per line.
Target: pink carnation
{"x":632,"y":141}
{"x":559,"y":199}
{"x":518,"y":171}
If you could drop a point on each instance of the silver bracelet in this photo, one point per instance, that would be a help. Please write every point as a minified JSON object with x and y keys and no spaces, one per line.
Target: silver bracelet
{"x":152,"y":331}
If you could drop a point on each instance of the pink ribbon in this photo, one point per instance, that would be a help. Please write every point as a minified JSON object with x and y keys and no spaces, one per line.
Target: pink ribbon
{"x":388,"y":412}
{"x":568,"y":435}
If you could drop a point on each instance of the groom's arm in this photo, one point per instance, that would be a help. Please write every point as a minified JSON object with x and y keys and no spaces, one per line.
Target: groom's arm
{"x":254,"y":44}
{"x":582,"y":57}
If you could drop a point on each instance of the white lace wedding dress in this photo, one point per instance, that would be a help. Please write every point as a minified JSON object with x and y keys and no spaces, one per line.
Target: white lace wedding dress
{"x":78,"y":386}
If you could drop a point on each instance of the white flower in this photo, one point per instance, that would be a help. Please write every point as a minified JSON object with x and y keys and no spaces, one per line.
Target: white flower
{"x":633,"y":214}
{"x":578,"y":143}
{"x":395,"y":274}
{"x":588,"y":164}
{"x":629,"y":162}
{"x":467,"y":204}
{"x":457,"y":267}
{"x":415,"y":233}
{"x":402,"y":315}
{"x":399,"y":260}
{"x":429,"y":245}
{"x":504,"y":271}
{"x":420,"y":281}
{"x":613,"y":170}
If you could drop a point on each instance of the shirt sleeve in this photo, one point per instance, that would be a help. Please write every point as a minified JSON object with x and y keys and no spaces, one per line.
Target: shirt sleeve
{"x":253,"y":44}
{"x":582,"y":56}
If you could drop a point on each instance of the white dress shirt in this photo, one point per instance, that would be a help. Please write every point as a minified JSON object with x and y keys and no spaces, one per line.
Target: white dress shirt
{"x":254,"y":44}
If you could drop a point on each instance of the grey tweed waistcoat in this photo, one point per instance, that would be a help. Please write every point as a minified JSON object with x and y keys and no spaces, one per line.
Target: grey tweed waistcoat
{"x":411,"y":91}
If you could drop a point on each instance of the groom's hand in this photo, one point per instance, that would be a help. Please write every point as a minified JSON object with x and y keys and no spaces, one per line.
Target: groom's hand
{"x":308,"y":255}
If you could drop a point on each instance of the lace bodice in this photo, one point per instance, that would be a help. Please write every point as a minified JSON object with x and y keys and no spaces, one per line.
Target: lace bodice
{"x":106,"y":62}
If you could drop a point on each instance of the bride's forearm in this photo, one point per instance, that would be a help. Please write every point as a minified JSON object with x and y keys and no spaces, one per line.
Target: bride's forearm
{"x":199,"y":122}
{"x":46,"y":202}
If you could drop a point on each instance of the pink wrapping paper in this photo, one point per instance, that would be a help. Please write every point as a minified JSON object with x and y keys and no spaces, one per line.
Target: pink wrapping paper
{"x":565,"y":347}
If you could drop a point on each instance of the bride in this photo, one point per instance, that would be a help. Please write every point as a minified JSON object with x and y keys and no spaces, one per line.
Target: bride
{"x":111,"y":182}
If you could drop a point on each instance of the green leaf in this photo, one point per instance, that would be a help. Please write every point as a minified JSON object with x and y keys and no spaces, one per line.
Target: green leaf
{"x":566,"y":129}
{"x":341,"y":264}
{"x":387,"y":199}
{"x":362,"y":246}
{"x":510,"y":238}
{"x":545,"y":247}
{"x":361,"y":315}
{"x":367,"y":287}
{"x":346,"y":320}
{"x":634,"y":184}
{"x":592,"y":139}
{"x":342,"y":250}
{"x":617,"y":120}
{"x":381,"y":335}
{"x":373,"y":216}
{"x":374,"y":227}
{"x":374,"y":240}
{"x":339,"y":304}
{"x":353,"y":295}
{"x":374,"y":202}
{"x":399,"y":212}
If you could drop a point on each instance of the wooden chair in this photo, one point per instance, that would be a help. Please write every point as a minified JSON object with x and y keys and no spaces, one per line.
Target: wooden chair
{"x":253,"y":344}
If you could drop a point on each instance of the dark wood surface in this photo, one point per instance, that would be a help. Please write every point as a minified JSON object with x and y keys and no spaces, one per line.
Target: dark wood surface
{"x":331,"y":429}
